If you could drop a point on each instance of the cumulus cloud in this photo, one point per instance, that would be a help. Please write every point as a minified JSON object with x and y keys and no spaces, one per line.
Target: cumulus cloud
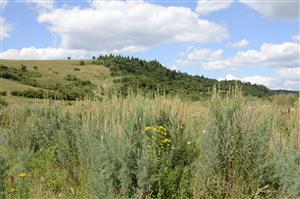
{"x":240,"y":44}
{"x":3,"y":4}
{"x":194,"y":55}
{"x":270,"y":55}
{"x":33,"y":53}
{"x":292,"y":74}
{"x":42,"y":6}
{"x":204,"y":7}
{"x":287,"y":78}
{"x":5,"y":28}
{"x":204,"y":54}
{"x":287,"y":10}
{"x":117,"y":25}
{"x":296,"y":38}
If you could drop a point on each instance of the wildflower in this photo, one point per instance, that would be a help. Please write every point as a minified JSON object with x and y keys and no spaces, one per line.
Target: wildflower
{"x":161,"y":128}
{"x":166,"y":141}
{"x":12,"y":190}
{"x":147,"y":128}
{"x":189,"y":143}
{"x":23,"y":175}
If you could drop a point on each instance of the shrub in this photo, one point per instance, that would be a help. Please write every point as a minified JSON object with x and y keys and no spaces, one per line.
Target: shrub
{"x":70,"y":77}
{"x":3,"y":93}
{"x":23,"y":68}
{"x":4,"y":167}
{"x":3,"y":102}
{"x":35,"y":67}
{"x":76,"y":69}
{"x":235,"y":159}
{"x":81,"y":63}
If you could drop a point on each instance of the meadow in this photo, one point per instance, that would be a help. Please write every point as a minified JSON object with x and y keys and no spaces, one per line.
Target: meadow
{"x":151,"y":146}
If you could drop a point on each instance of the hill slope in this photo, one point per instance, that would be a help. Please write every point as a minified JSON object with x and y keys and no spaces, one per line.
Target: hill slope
{"x":74,"y":79}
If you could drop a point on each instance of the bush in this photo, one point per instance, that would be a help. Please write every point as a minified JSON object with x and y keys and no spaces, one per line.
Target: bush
{"x":76,"y":69}
{"x":3,"y":93}
{"x":235,"y":159}
{"x":23,"y":68}
{"x":3,"y":102}
{"x":81,"y":63}
{"x":70,"y":77}
{"x":4,"y":168}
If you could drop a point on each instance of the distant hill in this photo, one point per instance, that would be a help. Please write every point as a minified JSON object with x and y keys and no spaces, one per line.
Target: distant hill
{"x":151,"y":75}
{"x":75,"y":79}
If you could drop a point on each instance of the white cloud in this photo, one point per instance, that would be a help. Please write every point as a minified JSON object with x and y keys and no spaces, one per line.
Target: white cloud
{"x":270,"y":55}
{"x":3,"y":4}
{"x":117,"y":25}
{"x":42,"y":5}
{"x":5,"y":28}
{"x":287,"y":78}
{"x":204,"y":54}
{"x":193,"y":55}
{"x":241,"y":44}
{"x":288,"y":10}
{"x":292,"y":74}
{"x":261,"y":80}
{"x":228,"y":77}
{"x":204,"y":7}
{"x":296,"y":38}
{"x":33,"y":53}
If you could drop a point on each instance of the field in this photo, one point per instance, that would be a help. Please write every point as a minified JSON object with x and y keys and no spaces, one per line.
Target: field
{"x":96,"y":141}
{"x":151,"y":147}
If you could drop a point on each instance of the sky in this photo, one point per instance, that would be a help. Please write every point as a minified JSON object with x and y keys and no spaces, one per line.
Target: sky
{"x":253,"y":41}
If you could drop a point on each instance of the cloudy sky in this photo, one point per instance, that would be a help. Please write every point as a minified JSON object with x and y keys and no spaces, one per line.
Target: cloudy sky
{"x":254,"y":41}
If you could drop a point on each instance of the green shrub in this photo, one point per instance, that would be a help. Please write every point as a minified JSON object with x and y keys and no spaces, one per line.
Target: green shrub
{"x":70,"y":77}
{"x":235,"y":159}
{"x":3,"y":102}
{"x":3,"y":93}
{"x":4,"y":167}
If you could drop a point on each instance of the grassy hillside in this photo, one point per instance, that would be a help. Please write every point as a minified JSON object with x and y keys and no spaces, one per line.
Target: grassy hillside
{"x":134,"y":142}
{"x":54,"y":71}
{"x":74,"y":79}
{"x":52,"y":77}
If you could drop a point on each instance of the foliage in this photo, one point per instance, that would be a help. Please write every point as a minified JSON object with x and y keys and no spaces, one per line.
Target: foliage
{"x":152,"y":76}
{"x":3,"y":102}
{"x":20,"y":75}
{"x":4,"y":167}
{"x":3,"y":93}
{"x":154,"y":147}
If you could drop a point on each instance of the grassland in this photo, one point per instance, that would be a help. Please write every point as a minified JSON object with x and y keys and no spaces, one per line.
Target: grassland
{"x":145,"y":147}
{"x":54,"y":71}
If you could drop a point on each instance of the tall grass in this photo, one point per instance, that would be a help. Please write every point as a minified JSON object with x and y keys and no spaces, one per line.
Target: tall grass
{"x":145,"y":147}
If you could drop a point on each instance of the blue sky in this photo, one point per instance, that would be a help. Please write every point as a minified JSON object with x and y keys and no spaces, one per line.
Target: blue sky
{"x":247,"y":40}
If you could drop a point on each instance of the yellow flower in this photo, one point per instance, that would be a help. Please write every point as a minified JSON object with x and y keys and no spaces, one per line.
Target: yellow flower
{"x":12,"y":190}
{"x":147,"y":128}
{"x":166,"y":141}
{"x":161,"y":128}
{"x":23,"y":175}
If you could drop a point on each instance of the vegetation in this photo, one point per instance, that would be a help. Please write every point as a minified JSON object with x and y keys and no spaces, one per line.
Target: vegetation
{"x":151,"y":147}
{"x":3,"y":102}
{"x":20,"y":75}
{"x":115,"y":73}
{"x":152,"y":76}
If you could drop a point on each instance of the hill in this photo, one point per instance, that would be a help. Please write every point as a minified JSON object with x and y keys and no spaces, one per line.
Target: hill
{"x":74,"y":79}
